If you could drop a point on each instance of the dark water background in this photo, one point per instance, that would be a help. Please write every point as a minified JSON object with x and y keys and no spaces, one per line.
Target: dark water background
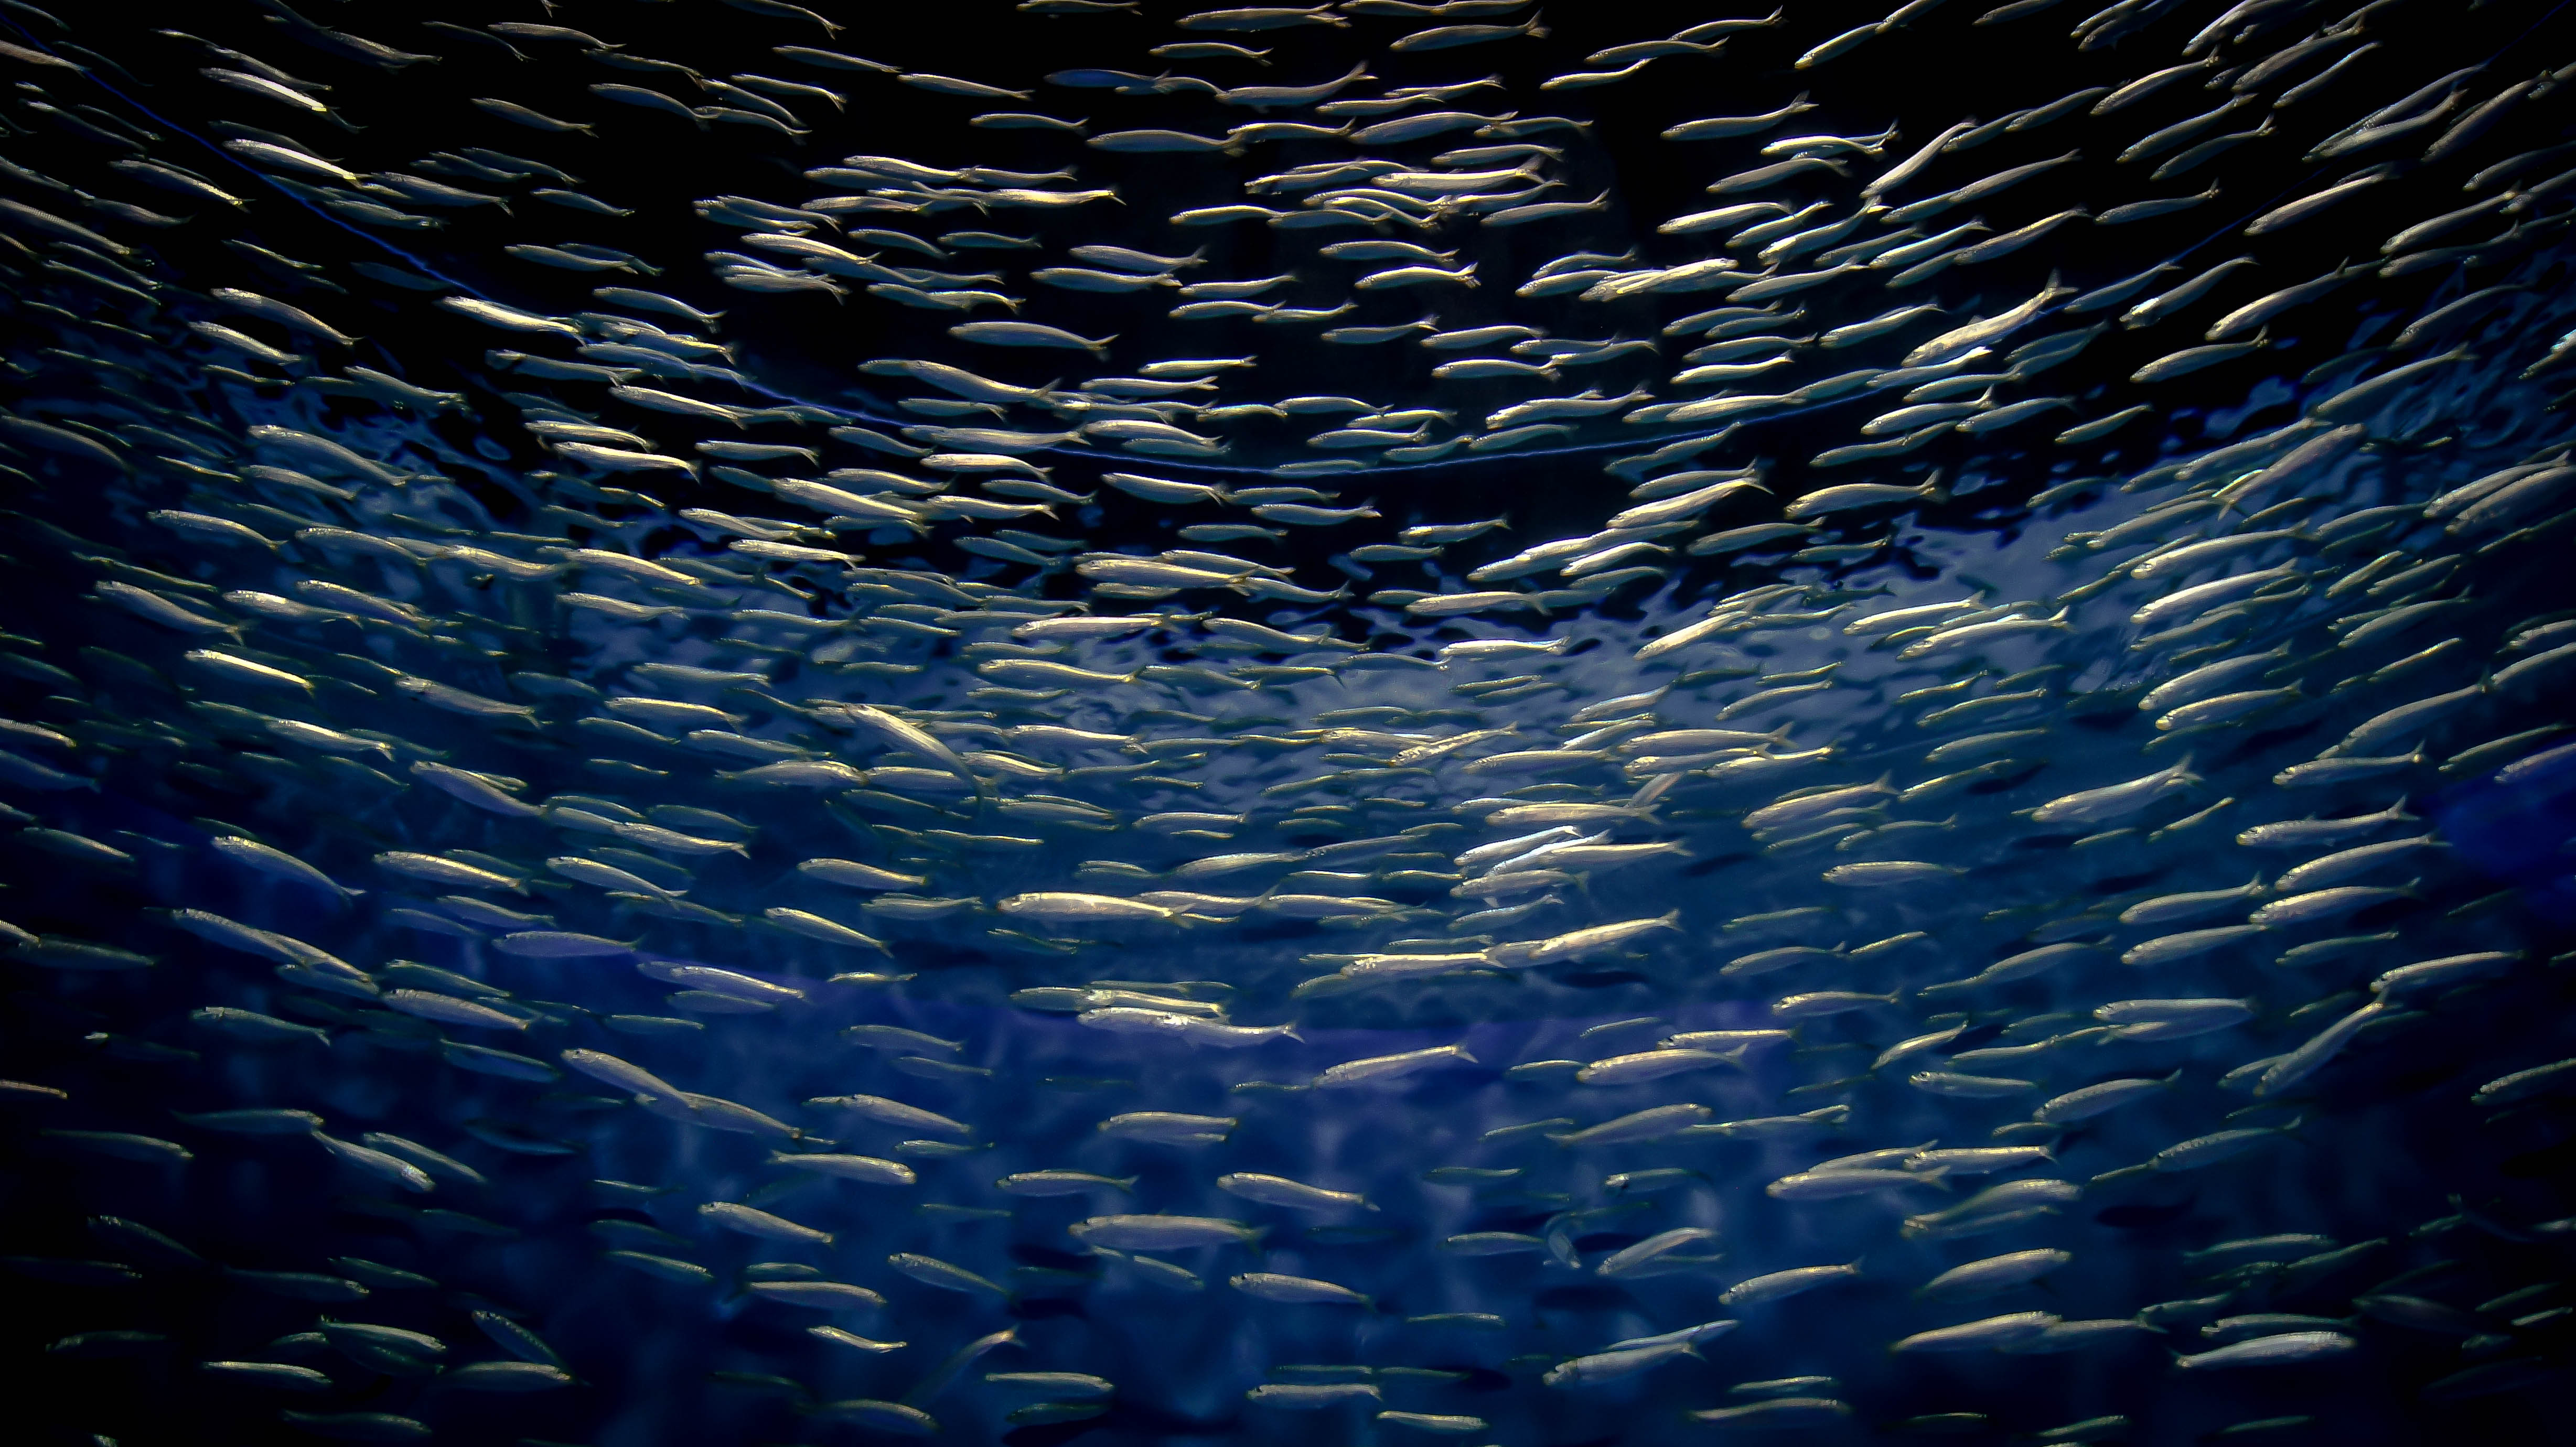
{"x":2387,"y":1146}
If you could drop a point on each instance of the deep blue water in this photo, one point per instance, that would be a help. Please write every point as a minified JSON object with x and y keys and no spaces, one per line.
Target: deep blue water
{"x":268,"y":603}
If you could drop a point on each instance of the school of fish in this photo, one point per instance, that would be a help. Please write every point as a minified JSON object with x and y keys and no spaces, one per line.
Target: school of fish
{"x":1407,"y":720}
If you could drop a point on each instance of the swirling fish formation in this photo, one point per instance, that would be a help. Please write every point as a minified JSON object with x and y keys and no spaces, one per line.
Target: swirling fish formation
{"x":1288,"y":720}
